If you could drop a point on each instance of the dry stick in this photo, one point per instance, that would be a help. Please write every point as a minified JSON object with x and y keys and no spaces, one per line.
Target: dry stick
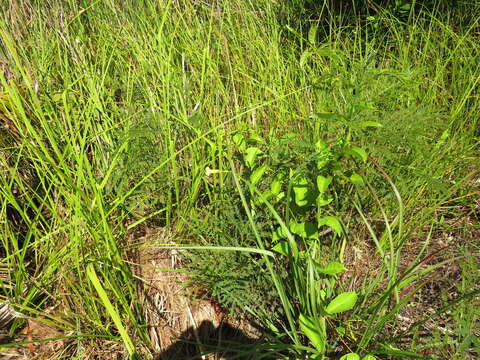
{"x":195,"y":330}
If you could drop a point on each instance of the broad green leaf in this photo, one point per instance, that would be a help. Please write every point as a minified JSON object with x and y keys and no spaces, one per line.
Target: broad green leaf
{"x":350,"y":356}
{"x":304,"y":229}
{"x":341,"y":330}
{"x":331,"y":222}
{"x":314,"y":331}
{"x":323,"y":183}
{"x":342,"y":302}
{"x":239,"y":140}
{"x":357,"y":179}
{"x":361,"y":153}
{"x":370,"y":124}
{"x":255,"y":139}
{"x":276,"y":185}
{"x":332,"y":268}
{"x":356,"y":151}
{"x":283,"y":248}
{"x":323,"y":200}
{"x":278,"y":234}
{"x":369,"y":357}
{"x":251,"y":156}
{"x":301,"y":190}
{"x":257,"y":174}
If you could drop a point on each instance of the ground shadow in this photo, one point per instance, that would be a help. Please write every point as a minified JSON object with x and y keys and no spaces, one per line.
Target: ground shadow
{"x":225,"y":340}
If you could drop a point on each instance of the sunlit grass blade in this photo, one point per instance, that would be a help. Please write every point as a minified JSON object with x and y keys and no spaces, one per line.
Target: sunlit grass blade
{"x":116,"y":318}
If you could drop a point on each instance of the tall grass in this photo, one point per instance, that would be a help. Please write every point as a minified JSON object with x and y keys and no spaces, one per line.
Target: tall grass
{"x":111,"y":112}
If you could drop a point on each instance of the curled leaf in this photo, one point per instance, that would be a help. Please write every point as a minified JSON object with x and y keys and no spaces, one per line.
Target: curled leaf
{"x":314,"y":330}
{"x":331,"y":222}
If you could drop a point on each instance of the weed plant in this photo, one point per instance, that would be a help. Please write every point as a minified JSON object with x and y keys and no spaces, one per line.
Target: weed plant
{"x":117,"y":114}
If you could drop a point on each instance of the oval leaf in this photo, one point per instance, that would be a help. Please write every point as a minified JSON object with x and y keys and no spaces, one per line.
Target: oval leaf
{"x":350,"y":356}
{"x":369,"y":357}
{"x":257,"y":174}
{"x":358,"y":152}
{"x":276,"y":185}
{"x":332,"y":268}
{"x":357,"y":179}
{"x":342,"y":302}
{"x":323,"y":183}
{"x":304,"y":229}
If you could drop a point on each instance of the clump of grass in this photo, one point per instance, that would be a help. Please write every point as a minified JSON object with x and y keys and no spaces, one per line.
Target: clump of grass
{"x":111,"y":117}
